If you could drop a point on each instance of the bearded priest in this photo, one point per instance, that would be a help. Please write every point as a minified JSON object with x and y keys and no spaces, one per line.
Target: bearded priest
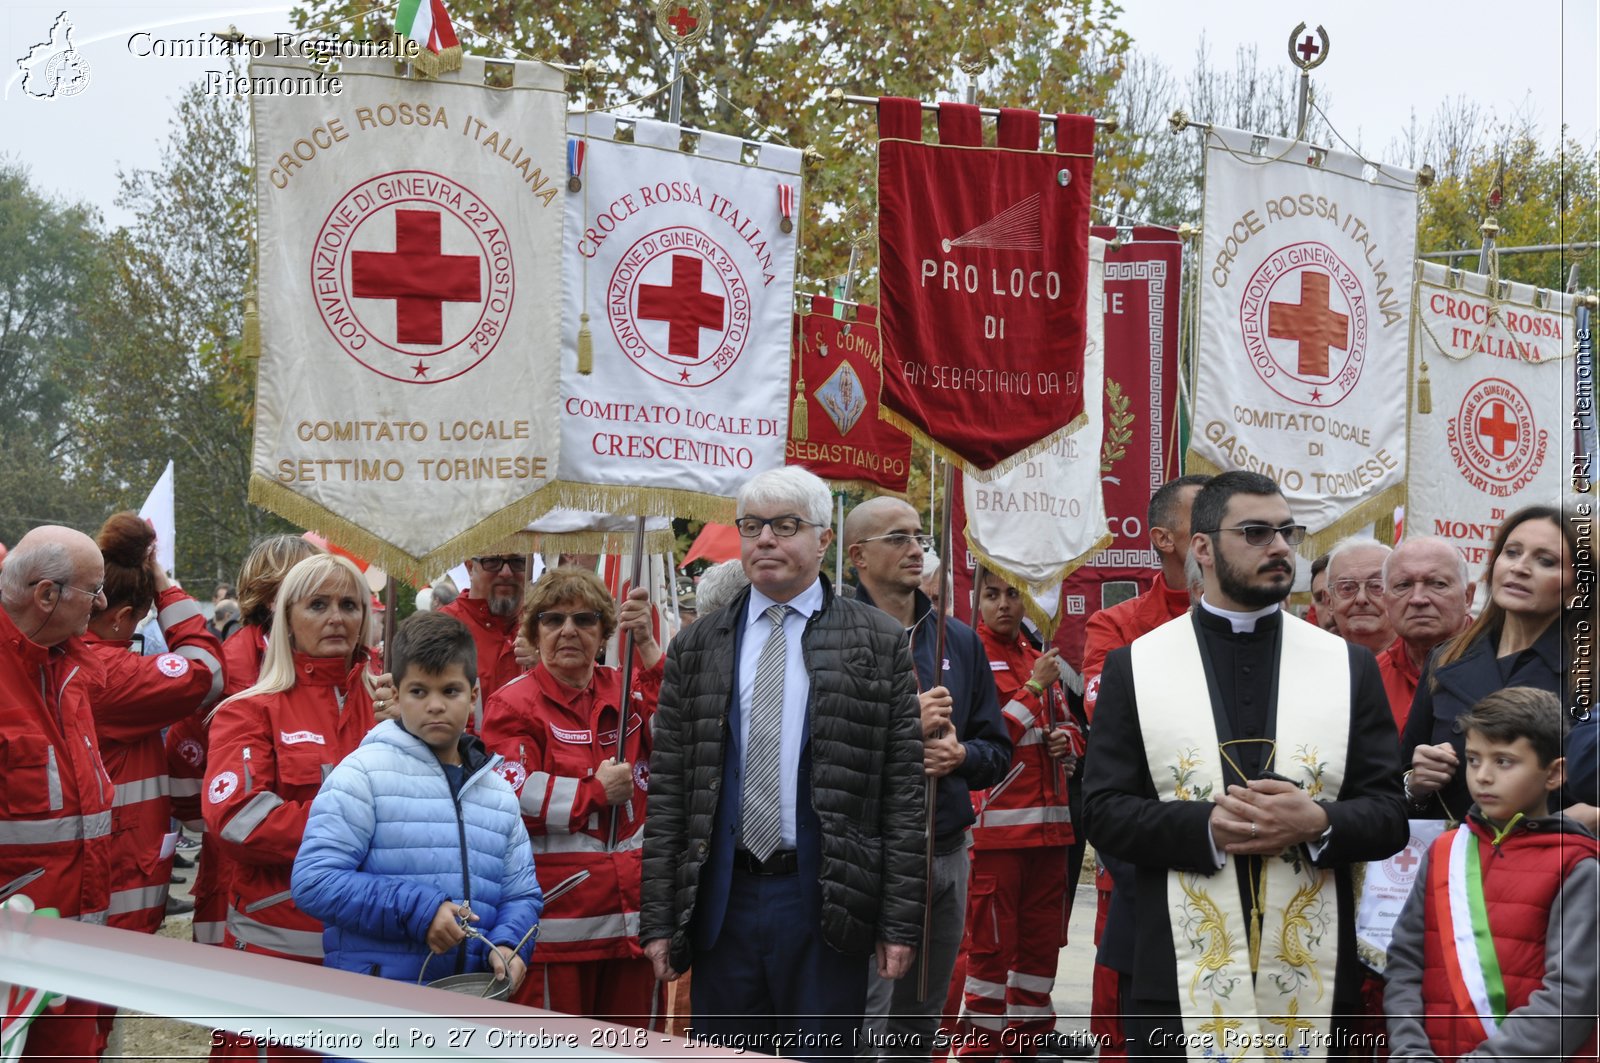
{"x":1244,"y":761}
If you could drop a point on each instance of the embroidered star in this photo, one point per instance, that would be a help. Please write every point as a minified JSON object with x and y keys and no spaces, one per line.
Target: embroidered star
{"x":684,"y":375}
{"x":1316,"y":395}
{"x":420,"y":369}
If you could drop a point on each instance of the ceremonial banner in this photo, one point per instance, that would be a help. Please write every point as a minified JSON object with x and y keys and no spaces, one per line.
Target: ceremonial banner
{"x":1300,"y":364}
{"x":1487,"y":432}
{"x":835,"y":430}
{"x":410,"y":301}
{"x":680,"y":279}
{"x":1139,"y":451}
{"x":983,"y":254}
{"x":1033,"y":525}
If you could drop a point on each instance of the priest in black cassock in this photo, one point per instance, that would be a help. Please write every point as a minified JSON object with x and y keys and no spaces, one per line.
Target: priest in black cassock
{"x":1243,"y":760}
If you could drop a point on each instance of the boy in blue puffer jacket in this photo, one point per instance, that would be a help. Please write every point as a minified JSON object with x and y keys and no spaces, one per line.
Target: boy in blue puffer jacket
{"x":416,"y":831}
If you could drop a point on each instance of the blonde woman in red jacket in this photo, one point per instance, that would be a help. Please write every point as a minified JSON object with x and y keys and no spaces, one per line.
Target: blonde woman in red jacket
{"x":273,"y":744}
{"x":557,"y":728}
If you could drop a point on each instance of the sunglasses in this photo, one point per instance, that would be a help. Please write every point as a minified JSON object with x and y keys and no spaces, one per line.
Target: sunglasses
{"x":1262,"y":534}
{"x":493,"y":565}
{"x":551,"y":620}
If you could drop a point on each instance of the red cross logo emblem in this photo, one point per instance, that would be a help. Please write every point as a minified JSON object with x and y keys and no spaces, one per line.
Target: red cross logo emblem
{"x":679,"y":306}
{"x":1494,"y":438}
{"x":414,"y":276}
{"x":682,"y":22}
{"x":1406,"y":860}
{"x":1308,"y":48}
{"x":222,"y":787}
{"x":1303,"y":320}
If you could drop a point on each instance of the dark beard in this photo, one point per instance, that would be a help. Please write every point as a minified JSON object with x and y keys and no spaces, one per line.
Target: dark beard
{"x":1251,"y":596}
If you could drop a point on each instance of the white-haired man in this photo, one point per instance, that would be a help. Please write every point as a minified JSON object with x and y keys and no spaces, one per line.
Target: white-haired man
{"x":1355,"y":593}
{"x":55,"y":816}
{"x":784,"y":831}
{"x":1429,"y":598}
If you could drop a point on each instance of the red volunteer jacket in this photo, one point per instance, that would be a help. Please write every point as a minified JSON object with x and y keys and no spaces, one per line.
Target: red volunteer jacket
{"x":1521,"y":878}
{"x":553,"y":737}
{"x":141,"y":696}
{"x":1030,"y":810}
{"x":269,"y":754}
{"x":55,"y":795}
{"x":496,"y":638}
{"x":1112,"y":628}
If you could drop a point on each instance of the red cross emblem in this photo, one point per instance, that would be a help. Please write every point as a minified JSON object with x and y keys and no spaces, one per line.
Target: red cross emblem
{"x":414,"y":276}
{"x":682,"y":22}
{"x":683,"y":305}
{"x":680,"y":308}
{"x":222,"y":787}
{"x":1498,"y":429}
{"x":1312,"y":323}
{"x":1301,"y":305}
{"x":1406,"y":860}
{"x":417,"y":276}
{"x":1308,"y":48}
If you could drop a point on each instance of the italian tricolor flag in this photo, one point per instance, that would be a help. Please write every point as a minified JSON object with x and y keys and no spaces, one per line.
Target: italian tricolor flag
{"x":428,"y":23}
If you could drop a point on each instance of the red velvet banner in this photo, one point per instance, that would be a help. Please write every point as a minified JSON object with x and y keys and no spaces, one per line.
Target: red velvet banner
{"x":1140,"y":449}
{"x":834,"y":427}
{"x":983,"y":264}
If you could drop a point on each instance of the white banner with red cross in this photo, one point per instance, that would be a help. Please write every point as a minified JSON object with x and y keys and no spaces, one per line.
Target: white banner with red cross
{"x":1304,"y":317}
{"x":1488,"y":431}
{"x":680,"y":289}
{"x":1033,"y":525}
{"x":410,"y":305}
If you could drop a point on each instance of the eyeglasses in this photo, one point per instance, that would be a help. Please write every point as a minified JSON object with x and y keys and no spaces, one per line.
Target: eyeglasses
{"x":65,"y":587}
{"x":1262,"y":534}
{"x":1346,"y":589}
{"x":901,"y":540}
{"x":493,"y":565}
{"x":782,"y":527}
{"x":551,"y":620}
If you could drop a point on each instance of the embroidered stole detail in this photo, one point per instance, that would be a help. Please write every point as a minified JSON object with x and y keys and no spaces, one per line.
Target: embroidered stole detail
{"x":1286,"y":1015}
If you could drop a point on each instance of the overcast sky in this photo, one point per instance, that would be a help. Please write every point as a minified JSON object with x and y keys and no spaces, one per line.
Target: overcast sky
{"x":1388,"y":58}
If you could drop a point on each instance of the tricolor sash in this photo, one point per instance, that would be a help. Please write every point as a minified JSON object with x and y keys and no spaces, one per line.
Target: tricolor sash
{"x":1287,"y":1014}
{"x":1455,"y":888}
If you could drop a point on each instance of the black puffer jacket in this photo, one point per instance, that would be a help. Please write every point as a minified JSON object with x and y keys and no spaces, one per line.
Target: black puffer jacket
{"x":866,"y":775}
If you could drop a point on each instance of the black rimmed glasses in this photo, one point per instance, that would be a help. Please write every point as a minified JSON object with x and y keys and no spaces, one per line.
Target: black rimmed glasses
{"x":782,"y":527}
{"x":1262,"y":534}
{"x":493,"y":565}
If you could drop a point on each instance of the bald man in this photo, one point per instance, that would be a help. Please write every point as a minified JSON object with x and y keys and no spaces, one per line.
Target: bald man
{"x":966,"y":747}
{"x":55,"y":818}
{"x":1429,"y":598}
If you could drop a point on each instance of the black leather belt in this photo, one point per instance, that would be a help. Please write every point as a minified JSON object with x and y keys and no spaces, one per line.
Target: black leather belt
{"x":782,"y":862}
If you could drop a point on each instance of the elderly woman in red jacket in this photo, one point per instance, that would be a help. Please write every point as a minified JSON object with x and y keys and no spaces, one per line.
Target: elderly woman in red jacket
{"x":557,"y":728}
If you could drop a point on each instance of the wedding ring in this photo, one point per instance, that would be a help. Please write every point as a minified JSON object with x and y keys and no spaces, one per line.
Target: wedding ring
{"x":1252,"y":830}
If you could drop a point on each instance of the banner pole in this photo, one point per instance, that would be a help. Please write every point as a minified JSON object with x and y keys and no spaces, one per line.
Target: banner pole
{"x":627,"y":674}
{"x":838,"y":539}
{"x":675,"y":101}
{"x":930,"y":786}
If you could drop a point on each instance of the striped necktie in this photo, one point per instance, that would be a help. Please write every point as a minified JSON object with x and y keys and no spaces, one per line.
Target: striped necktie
{"x":762,"y":814}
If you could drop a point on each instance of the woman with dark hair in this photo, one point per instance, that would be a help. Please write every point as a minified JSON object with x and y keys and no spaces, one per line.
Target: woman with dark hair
{"x":557,"y":728}
{"x":141,"y":697}
{"x":188,"y":740}
{"x":1516,"y":641}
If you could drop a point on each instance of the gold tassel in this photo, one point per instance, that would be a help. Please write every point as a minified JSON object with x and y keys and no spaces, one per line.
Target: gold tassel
{"x":1424,"y":391}
{"x":250,"y":334}
{"x":799,"y":414}
{"x":585,"y":346}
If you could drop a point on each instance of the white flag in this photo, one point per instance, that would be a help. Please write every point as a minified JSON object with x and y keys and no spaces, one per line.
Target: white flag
{"x":1304,"y":315}
{"x":410,"y":299}
{"x":680,"y":270}
{"x":159,"y":510}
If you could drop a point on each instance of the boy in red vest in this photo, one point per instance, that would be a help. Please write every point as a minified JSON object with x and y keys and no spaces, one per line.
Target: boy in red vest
{"x":1494,"y":952}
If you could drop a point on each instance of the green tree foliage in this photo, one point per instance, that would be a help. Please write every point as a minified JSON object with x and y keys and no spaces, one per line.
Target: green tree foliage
{"x":164,"y":377}
{"x":765,"y":69}
{"x":47,"y":250}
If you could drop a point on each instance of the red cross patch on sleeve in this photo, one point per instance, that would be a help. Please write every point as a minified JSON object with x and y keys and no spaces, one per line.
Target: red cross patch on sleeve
{"x":172,"y":666}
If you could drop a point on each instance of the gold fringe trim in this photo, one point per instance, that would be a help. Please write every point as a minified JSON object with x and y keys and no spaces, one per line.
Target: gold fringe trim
{"x":414,"y":569}
{"x":1004,"y":466}
{"x":1355,"y":520}
{"x":1383,"y":529}
{"x":1047,"y":624}
{"x":433,"y":64}
{"x":600,"y":542}
{"x":642,"y":501}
